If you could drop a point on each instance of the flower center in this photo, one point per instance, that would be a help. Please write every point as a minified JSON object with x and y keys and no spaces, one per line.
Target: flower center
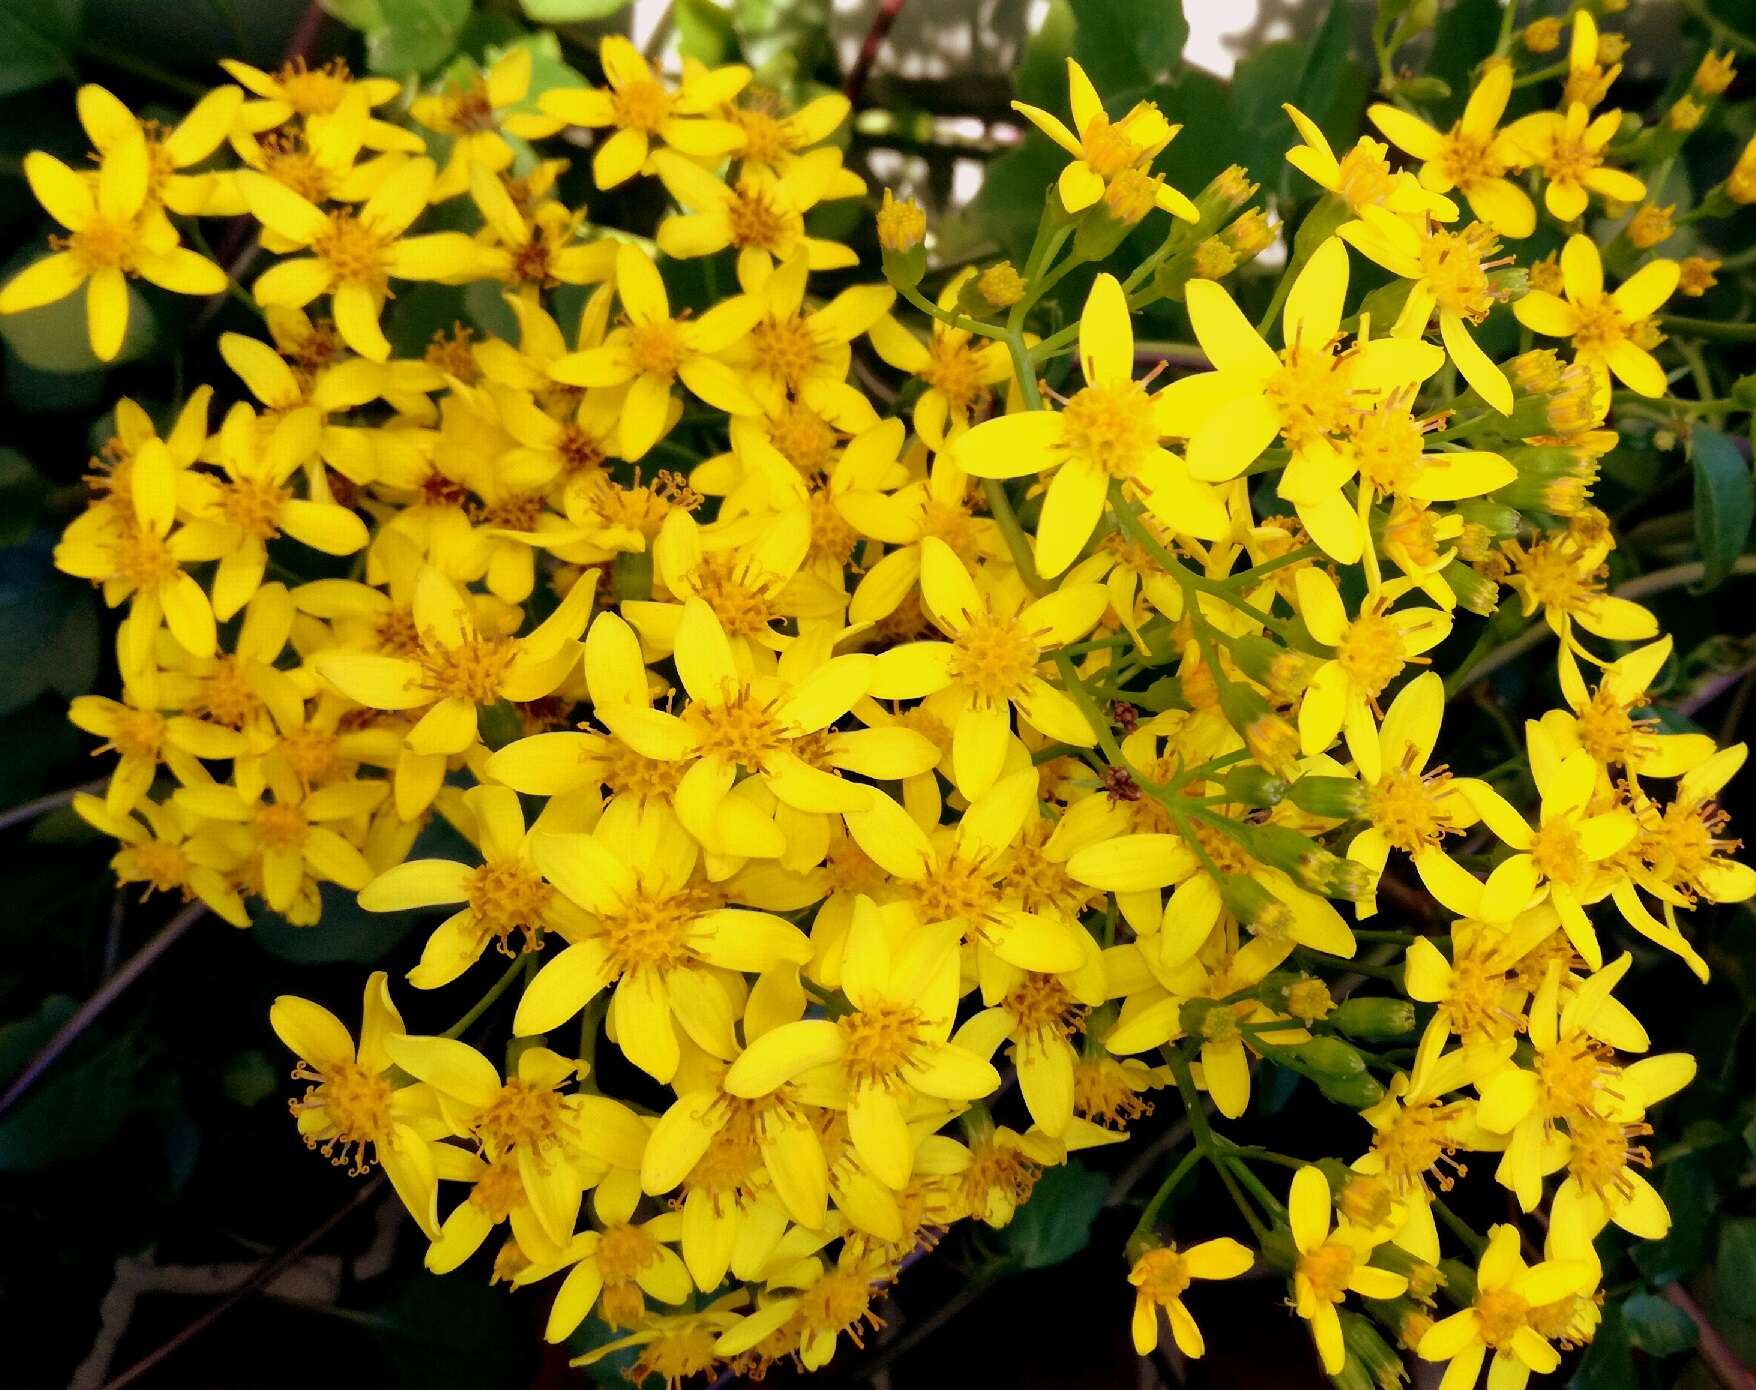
{"x":281,"y":825}
{"x":656,"y":347}
{"x":353,"y":251}
{"x":349,"y":1109}
{"x":1558,"y":851}
{"x":1569,"y":1077}
{"x":642,"y":105}
{"x":1502,"y":1314}
{"x":840,"y":1302}
{"x":954,"y":370}
{"x":1042,"y":1004}
{"x":1415,"y":1143}
{"x":160,"y":865}
{"x":472,"y":670}
{"x":1370,"y":651}
{"x":579,"y":452}
{"x":1570,"y":159}
{"x":998,"y":1178}
{"x":137,"y":733}
{"x":1477,"y":999}
{"x":787,"y":347}
{"x":522,"y":1117}
{"x":1327,"y":1269}
{"x":880,"y":1042}
{"x":755,"y":219}
{"x":805,"y":439}
{"x":1161,"y":1275}
{"x":651,"y":931}
{"x":142,"y":558}
{"x":1387,"y":446}
{"x":499,"y":1189}
{"x":506,"y":896}
{"x":994,"y":657}
{"x":1112,"y":425}
{"x":313,"y":91}
{"x":741,"y":729}
{"x":1310,"y":393}
{"x":228,"y":697}
{"x":254,"y":505}
{"x":958,"y":890}
{"x":1468,"y":159}
{"x":102,"y":243}
{"x":311,"y":753}
{"x":1405,"y":808}
{"x":1364,"y":176}
{"x":627,"y":773}
{"x":1454,"y":265}
{"x":765,"y":138}
{"x":1108,"y":147}
{"x":1601,"y":325}
{"x":741,"y":607}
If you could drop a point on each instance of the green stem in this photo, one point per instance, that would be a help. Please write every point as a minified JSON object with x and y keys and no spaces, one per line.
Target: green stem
{"x":1204,"y":1141}
{"x":486,"y":1002}
{"x":1712,"y":330}
{"x":1149,"y":1217}
{"x":945,"y":316}
{"x":1460,"y":1228}
{"x":1017,"y":543}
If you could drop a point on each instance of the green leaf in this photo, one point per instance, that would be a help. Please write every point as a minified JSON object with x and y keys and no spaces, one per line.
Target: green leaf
{"x":1607,"y":1365}
{"x":1724,"y":503}
{"x":1124,"y":45}
{"x":78,"y":1104}
{"x":417,"y":35}
{"x":1688,"y":1191}
{"x":704,"y":32}
{"x":53,"y":338}
{"x":1466,"y":34}
{"x":37,"y":39}
{"x":1736,"y":1267}
{"x":1055,"y":1224}
{"x":250,"y":1078}
{"x":1324,"y":62}
{"x":1041,"y":75}
{"x":1658,"y":1327}
{"x":571,"y":11}
{"x":364,"y":15}
{"x":21,"y":496}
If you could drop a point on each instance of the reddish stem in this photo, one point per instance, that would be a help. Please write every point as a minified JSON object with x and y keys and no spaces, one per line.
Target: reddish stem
{"x":1719,"y":1358}
{"x":870,"y":47}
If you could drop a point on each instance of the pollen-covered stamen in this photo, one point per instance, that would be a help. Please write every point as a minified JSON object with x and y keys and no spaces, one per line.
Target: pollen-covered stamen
{"x":757,"y":220}
{"x":1572,"y":1076}
{"x":643,"y":104}
{"x":1363,"y":175}
{"x":499,"y":1189}
{"x":1371,"y":651}
{"x":1601,"y":1152}
{"x":473,"y":670}
{"x":998,"y":1178}
{"x":1112,"y":425}
{"x":103,"y":243}
{"x":1417,"y":1144}
{"x":1477,"y":999}
{"x":142,"y":558}
{"x":994,"y":656}
{"x":312,"y":753}
{"x":623,"y":1253}
{"x":354,"y":252}
{"x":627,"y":773}
{"x":523,"y":1117}
{"x":787,"y":347}
{"x":957,"y":890}
{"x":656,"y":347}
{"x":254,"y":506}
{"x":161,"y":866}
{"x":1108,"y":147}
{"x":227,"y":695}
{"x":881,"y":1041}
{"x":1455,"y":266}
{"x":1039,"y":883}
{"x":1601,"y":325}
{"x":281,"y":825}
{"x":313,"y":91}
{"x":738,"y":599}
{"x":838,"y":1304}
{"x":1311,"y":393}
{"x":1044,"y":1007}
{"x":344,"y":1109}
{"x":651,"y":930}
{"x":1468,"y":158}
{"x":1328,"y":1268}
{"x":954,"y":369}
{"x":1502,"y":1314}
{"x":1607,"y":730}
{"x":737,"y":726}
{"x":134,"y":733}
{"x":1105,"y":1094}
{"x":1559,"y":852}
{"x":805,"y":439}
{"x":509,"y":897}
{"x":1406,"y":806}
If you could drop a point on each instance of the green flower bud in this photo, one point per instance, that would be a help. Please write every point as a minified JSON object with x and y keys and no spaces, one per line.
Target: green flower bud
{"x":1284,"y":671}
{"x":1496,"y":518}
{"x":1356,"y":1092}
{"x":1307,"y":862}
{"x":1375,"y":1020}
{"x":1476,"y":593}
{"x":1341,"y":798}
{"x":1326,"y":1059}
{"x":1250,"y":785}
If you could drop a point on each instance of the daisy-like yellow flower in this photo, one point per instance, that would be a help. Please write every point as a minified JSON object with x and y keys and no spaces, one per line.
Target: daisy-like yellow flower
{"x":989,"y":664}
{"x":1569,"y":149}
{"x":1560,"y":856}
{"x":1371,"y":650}
{"x":774,"y":136}
{"x":350,"y":1110}
{"x":654,"y":349}
{"x":457,"y":668}
{"x":1362,"y":177}
{"x":1332,"y":1262}
{"x":654,"y":930}
{"x":1104,"y":150}
{"x":959,"y":369}
{"x":761,"y":215}
{"x":902,"y":979}
{"x":168,"y":151}
{"x":1304,"y":394}
{"x":504,"y":900}
{"x":617,"y":1268}
{"x":1449,"y":271}
{"x":468,"y":113}
{"x":1602,"y":325}
{"x":1163,"y":1274}
{"x":1473,"y":157}
{"x":112,"y":233}
{"x":354,"y":255}
{"x":642,"y":110}
{"x":1108,"y":431}
{"x":537,"y":245}
{"x":297,"y":89}
{"x":169,"y":850}
{"x":1508,"y":1292}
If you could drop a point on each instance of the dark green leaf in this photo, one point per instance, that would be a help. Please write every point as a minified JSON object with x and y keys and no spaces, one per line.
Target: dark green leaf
{"x":1125,"y":45}
{"x":1041,"y":75}
{"x":1055,"y":1224}
{"x":571,"y":11}
{"x":1736,"y":1267}
{"x":37,"y":38}
{"x":417,"y":35}
{"x":1465,"y":35}
{"x":1658,"y":1327}
{"x":77,"y":1105}
{"x":1688,"y":1192}
{"x":21,"y":496}
{"x":1724,"y":502}
{"x":1325,"y":60}
{"x":48,"y":627}
{"x":250,"y":1078}
{"x":1608,"y":1365}
{"x":364,"y":15}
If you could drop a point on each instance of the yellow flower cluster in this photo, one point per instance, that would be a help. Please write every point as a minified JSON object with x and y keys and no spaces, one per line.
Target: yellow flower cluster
{"x":903,"y":802}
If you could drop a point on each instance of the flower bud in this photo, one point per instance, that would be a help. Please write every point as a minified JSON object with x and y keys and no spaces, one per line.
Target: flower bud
{"x":1542,"y":35}
{"x":1256,"y":909}
{"x":1326,"y":1059}
{"x":1356,"y":1092}
{"x":1375,"y":1020}
{"x":1744,"y":391}
{"x":902,"y":229}
{"x":1306,"y":862}
{"x":1369,"y":1356}
{"x":1282,"y":670}
{"x":1336,"y":798}
{"x":1271,"y":739}
{"x":1714,"y":74}
{"x":1475,"y":592}
{"x":1228,"y":191}
{"x":1248,"y":785}
{"x":1695,"y":275}
{"x":1651,"y":225}
{"x":1497,"y":519}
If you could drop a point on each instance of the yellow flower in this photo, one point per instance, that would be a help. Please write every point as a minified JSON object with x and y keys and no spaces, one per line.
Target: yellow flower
{"x":1107,"y":431}
{"x":761,"y":215}
{"x":297,"y":89}
{"x":1561,"y":856}
{"x":642,"y":110}
{"x":654,"y":349}
{"x":112,"y":233}
{"x":1303,"y":394}
{"x":350,"y":1110}
{"x":1449,"y":271}
{"x":1499,"y":1317}
{"x":1473,"y":157}
{"x":1161,"y":1275}
{"x":1601,"y":324}
{"x":616,"y":1269}
{"x":654,"y":929}
{"x":108,"y":122}
{"x":1362,"y":177}
{"x":173,"y":851}
{"x":959,"y":370}
{"x":774,"y":136}
{"x":989,"y":665}
{"x":354,"y":255}
{"x":901,"y":976}
{"x":1371,"y":650}
{"x":468,"y":112}
{"x":1569,"y":149}
{"x":1102,"y":149}
{"x":537,"y":246}
{"x":1332,"y":1262}
{"x":142,"y":739}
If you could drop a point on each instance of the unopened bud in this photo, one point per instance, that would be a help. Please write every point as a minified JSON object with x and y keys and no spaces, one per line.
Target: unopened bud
{"x":1356,"y":1092}
{"x":1335,"y":798}
{"x":1257,"y":910}
{"x":1695,"y":275}
{"x":1651,"y":225}
{"x":1248,"y":785}
{"x":1475,"y":592}
{"x":1365,"y":1199}
{"x":1001,"y":285}
{"x":1498,"y":520}
{"x":1329,"y":1059}
{"x":1270,"y":738}
{"x":1375,"y":1020}
{"x":1542,"y":35}
{"x":1714,"y":74}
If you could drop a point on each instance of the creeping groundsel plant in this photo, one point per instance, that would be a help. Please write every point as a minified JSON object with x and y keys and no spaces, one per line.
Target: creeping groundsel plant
{"x":988,"y":736}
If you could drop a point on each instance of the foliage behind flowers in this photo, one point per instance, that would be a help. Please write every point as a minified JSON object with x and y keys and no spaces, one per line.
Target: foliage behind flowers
{"x":894,"y":738}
